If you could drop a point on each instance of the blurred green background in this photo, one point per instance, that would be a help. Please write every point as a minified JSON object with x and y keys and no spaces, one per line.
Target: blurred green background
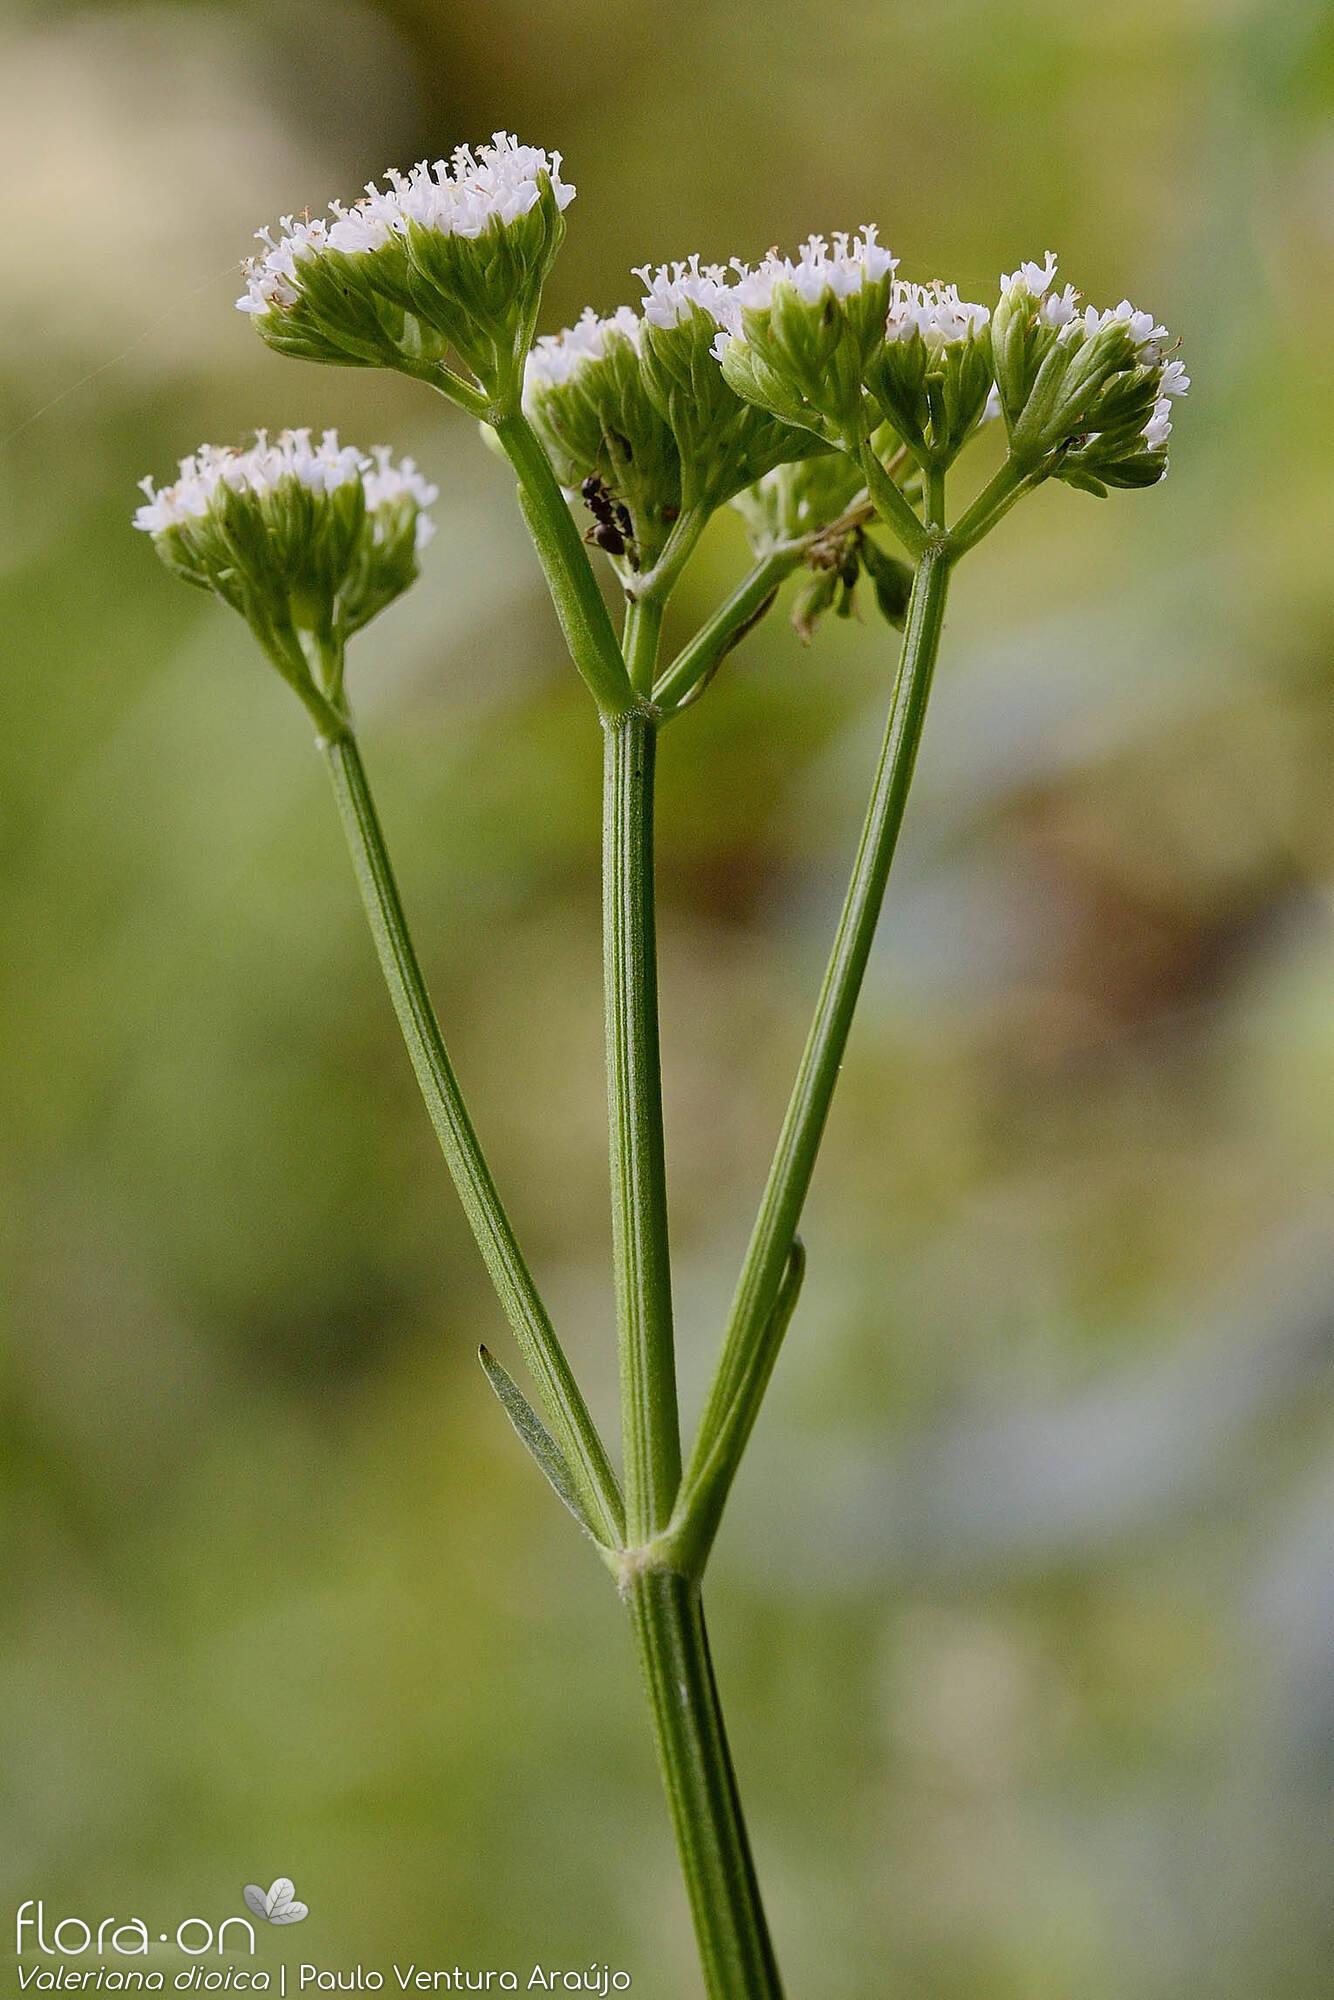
{"x":1025,"y":1611}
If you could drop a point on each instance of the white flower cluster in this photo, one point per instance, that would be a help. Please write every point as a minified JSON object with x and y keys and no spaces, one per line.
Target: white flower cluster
{"x":1175,"y":382}
{"x":384,"y":484}
{"x":555,"y":357}
{"x":1061,"y":310}
{"x":271,"y":280}
{"x":934,"y":311}
{"x":842,"y":268}
{"x":816,"y":269}
{"x":1146,"y":335}
{"x":675,"y":290}
{"x":321,"y":468}
{"x":460,"y":196}
{"x":1055,"y":309}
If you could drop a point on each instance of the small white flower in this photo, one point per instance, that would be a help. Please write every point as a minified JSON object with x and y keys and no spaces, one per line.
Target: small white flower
{"x":816,"y":269}
{"x":461,"y":196}
{"x":1175,"y":380}
{"x":1057,"y":309}
{"x":271,"y":279}
{"x":1159,"y":427}
{"x":1035,"y":278}
{"x":934,"y":311}
{"x":555,"y":357}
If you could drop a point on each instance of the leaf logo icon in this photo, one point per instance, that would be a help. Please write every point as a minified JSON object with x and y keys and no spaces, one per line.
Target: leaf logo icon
{"x":277,"y":1904}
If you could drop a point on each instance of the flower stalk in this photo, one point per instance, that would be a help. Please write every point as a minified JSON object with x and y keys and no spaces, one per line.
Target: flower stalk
{"x":775,"y":1229}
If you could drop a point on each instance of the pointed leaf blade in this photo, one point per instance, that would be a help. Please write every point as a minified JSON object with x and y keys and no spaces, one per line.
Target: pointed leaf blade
{"x":535,"y":1436}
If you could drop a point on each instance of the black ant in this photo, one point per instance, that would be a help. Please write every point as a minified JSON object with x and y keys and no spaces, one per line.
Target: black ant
{"x":612,"y":531}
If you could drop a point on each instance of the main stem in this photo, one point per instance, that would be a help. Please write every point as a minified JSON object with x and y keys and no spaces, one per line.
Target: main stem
{"x":730,"y":1927}
{"x":563,"y":1403}
{"x":664,"y":1604}
{"x":634,"y":1095}
{"x":808,"y":1108}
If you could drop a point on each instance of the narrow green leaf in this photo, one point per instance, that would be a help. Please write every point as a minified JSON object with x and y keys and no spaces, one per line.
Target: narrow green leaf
{"x":534,"y":1434}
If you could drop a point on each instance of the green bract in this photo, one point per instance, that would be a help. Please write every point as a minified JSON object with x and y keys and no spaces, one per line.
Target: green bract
{"x":308,"y":542}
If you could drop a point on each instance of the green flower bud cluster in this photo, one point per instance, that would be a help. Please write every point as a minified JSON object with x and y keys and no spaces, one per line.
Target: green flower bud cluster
{"x":659,"y":416}
{"x":726,"y":440}
{"x":795,"y":501}
{"x":798,"y":334}
{"x":835,"y":566}
{"x":1086,"y":396}
{"x":931,"y":377}
{"x":448,"y":260}
{"x":637,"y":417}
{"x":307,"y":541}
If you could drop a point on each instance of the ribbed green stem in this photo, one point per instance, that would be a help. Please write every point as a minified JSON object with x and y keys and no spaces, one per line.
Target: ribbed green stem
{"x":730,"y":1926}
{"x":808,"y":1108}
{"x":562,"y":1402}
{"x":638,"y":1168}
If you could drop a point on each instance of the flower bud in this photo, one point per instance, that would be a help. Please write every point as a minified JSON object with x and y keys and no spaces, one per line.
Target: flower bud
{"x":798,"y":334}
{"x":726,"y":441}
{"x":585,"y":395}
{"x":933,"y":375}
{"x":450,"y":258}
{"x":308,"y":542}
